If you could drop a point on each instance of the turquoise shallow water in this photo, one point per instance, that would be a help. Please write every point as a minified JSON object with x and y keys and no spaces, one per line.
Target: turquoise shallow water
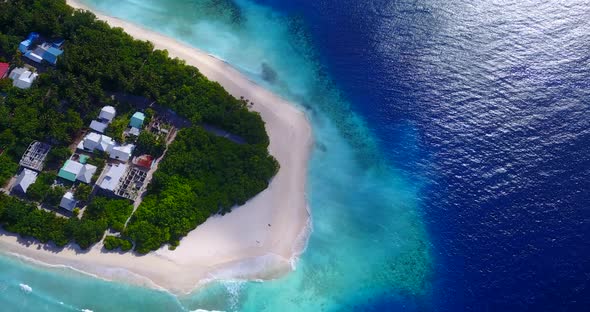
{"x":368,"y":239}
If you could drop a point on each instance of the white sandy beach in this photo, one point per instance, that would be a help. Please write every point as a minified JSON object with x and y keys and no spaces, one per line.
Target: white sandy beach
{"x":256,"y":241}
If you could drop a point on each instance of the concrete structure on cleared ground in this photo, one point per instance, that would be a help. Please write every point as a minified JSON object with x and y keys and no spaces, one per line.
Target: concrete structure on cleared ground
{"x":34,"y":156}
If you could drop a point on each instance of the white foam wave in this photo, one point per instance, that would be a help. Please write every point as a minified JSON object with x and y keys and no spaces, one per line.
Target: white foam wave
{"x":131,"y":277}
{"x":26,"y":288}
{"x":301,"y":242}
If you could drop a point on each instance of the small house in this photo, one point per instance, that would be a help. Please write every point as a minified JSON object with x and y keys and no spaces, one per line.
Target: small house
{"x":137,"y":120}
{"x":4,"y":67}
{"x":68,"y":202}
{"x":87,"y":173}
{"x":98,"y":126}
{"x":73,"y":170}
{"x":27,"y":43}
{"x":22,"y":78}
{"x":24,"y":46}
{"x":122,"y":152}
{"x":113,"y":177}
{"x":145,"y":161}
{"x":70,"y":170}
{"x":24,"y":180}
{"x":94,"y":141}
{"x":107,"y":113}
{"x":51,"y":55}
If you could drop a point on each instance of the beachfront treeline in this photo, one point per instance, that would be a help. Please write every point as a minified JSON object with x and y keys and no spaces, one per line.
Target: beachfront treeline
{"x":200,"y":175}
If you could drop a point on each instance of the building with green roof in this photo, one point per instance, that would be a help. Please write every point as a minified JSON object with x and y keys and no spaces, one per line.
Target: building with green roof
{"x":137,"y":120}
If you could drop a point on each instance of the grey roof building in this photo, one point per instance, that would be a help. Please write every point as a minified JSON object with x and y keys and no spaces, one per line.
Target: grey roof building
{"x":24,"y":180}
{"x":68,"y":202}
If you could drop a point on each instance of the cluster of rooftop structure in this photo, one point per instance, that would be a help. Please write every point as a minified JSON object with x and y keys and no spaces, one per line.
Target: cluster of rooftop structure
{"x":106,"y":116}
{"x":124,"y":175}
{"x":46,"y":51}
{"x":96,"y":141}
{"x":119,"y":178}
{"x":23,"y":77}
{"x":122,"y":179}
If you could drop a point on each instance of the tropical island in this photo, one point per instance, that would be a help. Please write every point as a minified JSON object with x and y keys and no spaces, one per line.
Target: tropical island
{"x":107,"y":143}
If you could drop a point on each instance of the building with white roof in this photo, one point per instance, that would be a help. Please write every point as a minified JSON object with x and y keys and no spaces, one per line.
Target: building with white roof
{"x":22,"y":78}
{"x":86,"y":173}
{"x":68,"y":202}
{"x":24,"y":180}
{"x":134,"y":131}
{"x":94,"y":141}
{"x":107,"y":113}
{"x":122,"y":152}
{"x":73,"y":170}
{"x":113,"y":177}
{"x":98,"y":126}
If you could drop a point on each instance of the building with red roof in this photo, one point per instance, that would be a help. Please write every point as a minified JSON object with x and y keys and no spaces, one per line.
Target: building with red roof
{"x":144,"y":161}
{"x":4,"y":70}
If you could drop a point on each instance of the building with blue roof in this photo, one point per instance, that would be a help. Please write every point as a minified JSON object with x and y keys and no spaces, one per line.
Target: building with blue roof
{"x":58,"y":43}
{"x":24,"y":46}
{"x":51,"y":55}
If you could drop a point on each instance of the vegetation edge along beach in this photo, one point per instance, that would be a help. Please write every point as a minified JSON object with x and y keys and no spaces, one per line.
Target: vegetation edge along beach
{"x":268,"y":224}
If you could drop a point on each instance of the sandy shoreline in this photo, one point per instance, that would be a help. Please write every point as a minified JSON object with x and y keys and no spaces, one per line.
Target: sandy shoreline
{"x":240,"y":245}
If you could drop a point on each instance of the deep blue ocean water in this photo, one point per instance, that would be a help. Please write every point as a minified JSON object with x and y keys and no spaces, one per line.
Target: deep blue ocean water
{"x":452,"y":170}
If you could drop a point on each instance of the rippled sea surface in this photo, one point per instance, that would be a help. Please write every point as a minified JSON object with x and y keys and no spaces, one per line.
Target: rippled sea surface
{"x":452,"y":166}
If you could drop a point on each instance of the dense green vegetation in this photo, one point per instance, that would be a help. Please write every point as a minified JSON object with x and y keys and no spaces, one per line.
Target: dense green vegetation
{"x":114,"y":243}
{"x":149,"y":143}
{"x":43,"y":192}
{"x":117,"y":127}
{"x":201,"y":174}
{"x":83,"y":192}
{"x":56,"y":157}
{"x":7,"y":169}
{"x":114,"y":211}
{"x":30,"y":222}
{"x":27,"y":220}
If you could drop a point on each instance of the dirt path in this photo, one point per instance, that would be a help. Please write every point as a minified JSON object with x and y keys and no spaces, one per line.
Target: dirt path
{"x":150,"y":175}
